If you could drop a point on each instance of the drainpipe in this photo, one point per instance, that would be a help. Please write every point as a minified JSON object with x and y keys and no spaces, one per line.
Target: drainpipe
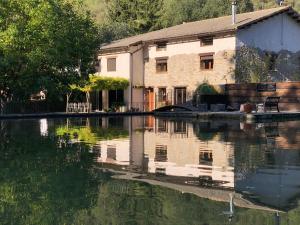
{"x":130,"y":81}
{"x":234,"y":6}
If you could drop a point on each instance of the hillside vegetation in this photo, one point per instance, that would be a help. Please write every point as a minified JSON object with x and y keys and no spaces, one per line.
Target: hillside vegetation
{"x":122,"y":18}
{"x":185,"y":7}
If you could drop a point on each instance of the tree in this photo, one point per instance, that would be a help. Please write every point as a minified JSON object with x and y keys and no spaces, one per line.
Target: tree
{"x":264,"y":4}
{"x":217,"y":8}
{"x":140,"y":15}
{"x":97,"y":83}
{"x":45,"y":44}
{"x":114,"y":31}
{"x":176,"y":12}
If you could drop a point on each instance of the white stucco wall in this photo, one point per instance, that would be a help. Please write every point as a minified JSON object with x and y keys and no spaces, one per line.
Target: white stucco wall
{"x":122,"y":65}
{"x":274,"y":34}
{"x":193,"y":47}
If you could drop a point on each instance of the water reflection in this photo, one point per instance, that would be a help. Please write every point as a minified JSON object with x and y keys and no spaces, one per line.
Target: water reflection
{"x":237,"y":165}
{"x":260,"y":161}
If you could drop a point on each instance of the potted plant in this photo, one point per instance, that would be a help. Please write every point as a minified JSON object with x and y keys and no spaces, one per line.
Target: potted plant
{"x":247,"y":107}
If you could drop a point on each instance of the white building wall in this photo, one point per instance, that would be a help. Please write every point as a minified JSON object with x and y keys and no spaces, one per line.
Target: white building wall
{"x":122,"y":65}
{"x":193,"y":47}
{"x":122,"y":71}
{"x":277,"y":33}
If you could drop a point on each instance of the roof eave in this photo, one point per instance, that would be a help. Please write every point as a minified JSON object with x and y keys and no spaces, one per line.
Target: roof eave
{"x":284,"y":10}
{"x":184,"y":37}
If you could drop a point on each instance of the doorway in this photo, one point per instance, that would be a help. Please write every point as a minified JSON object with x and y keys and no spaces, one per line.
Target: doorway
{"x":116,"y":97}
{"x":180,"y":95}
{"x":149,"y":99}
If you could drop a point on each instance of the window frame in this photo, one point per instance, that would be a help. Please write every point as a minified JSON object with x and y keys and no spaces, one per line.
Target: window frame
{"x":161,"y":46}
{"x":207,"y":57}
{"x":203,"y":41}
{"x":159,"y":65}
{"x":162,"y":94}
{"x":108,"y":68}
{"x":98,"y":65}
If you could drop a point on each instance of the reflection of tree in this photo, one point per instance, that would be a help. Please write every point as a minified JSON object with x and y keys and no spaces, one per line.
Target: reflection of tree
{"x":204,"y":132}
{"x":90,"y":135}
{"x":41,"y":184}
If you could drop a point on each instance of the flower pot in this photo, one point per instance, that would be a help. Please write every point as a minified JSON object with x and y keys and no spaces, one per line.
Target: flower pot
{"x":246,"y":108}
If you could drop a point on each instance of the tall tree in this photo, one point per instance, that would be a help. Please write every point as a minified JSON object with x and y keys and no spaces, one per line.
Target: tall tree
{"x":176,"y":12}
{"x":44,"y":44}
{"x":264,"y":4}
{"x":217,"y":8}
{"x":140,"y":15}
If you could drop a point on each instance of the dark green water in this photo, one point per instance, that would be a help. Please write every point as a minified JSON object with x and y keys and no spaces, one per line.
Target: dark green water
{"x":60,"y":172}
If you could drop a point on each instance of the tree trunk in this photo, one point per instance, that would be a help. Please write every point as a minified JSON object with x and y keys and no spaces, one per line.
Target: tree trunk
{"x":67,"y":103}
{"x":88,"y":100}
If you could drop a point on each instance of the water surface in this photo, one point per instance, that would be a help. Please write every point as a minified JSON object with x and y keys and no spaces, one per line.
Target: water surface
{"x":62,"y":171}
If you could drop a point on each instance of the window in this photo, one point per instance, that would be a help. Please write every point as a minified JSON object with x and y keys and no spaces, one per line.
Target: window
{"x":205,"y":158}
{"x":162,"y":94}
{"x":207,"y":62}
{"x":98,"y":65}
{"x":161,"y":46}
{"x":179,"y":95}
{"x":161,"y":65}
{"x":206,"y":41}
{"x":111,"y":64}
{"x":161,"y":153}
{"x":111,"y":152}
{"x":180,"y":127}
{"x":162,"y":125}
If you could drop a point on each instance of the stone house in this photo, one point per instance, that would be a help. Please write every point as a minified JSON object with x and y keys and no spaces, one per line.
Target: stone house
{"x":166,"y":66}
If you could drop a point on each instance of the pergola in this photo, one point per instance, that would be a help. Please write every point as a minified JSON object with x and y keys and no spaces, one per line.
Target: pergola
{"x":97,"y":83}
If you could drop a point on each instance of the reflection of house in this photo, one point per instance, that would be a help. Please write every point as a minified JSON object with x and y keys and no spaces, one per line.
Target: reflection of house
{"x":166,"y":66}
{"x":115,"y":152}
{"x":174,"y":150}
{"x":213,"y":154}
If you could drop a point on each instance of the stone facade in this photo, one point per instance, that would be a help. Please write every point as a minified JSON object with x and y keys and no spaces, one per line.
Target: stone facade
{"x":184,"y":71}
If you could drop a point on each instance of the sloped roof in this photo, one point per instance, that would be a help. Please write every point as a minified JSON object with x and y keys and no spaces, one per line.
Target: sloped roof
{"x":202,"y":27}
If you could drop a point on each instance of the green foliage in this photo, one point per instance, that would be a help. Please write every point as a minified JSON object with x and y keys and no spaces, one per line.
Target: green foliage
{"x":259,"y":4}
{"x":206,"y":89}
{"x":90,"y":136}
{"x":111,"y":31}
{"x":252,"y":66}
{"x":217,"y":8}
{"x":176,"y":12}
{"x":97,"y":9}
{"x":42,"y":182}
{"x":44,"y":45}
{"x":98,"y":83}
{"x":140,"y":15}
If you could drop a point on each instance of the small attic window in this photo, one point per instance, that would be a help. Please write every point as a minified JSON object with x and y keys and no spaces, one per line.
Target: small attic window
{"x":206,"y":41}
{"x":161,"y":46}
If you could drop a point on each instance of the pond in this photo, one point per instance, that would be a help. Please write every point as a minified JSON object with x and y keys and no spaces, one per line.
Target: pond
{"x":146,"y":170}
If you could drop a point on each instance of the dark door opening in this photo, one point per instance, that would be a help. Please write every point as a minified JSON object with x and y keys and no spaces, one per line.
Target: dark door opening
{"x":116,"y":97}
{"x":96,"y":99}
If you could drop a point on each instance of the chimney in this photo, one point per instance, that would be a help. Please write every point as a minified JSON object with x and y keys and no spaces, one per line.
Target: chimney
{"x":234,"y":5}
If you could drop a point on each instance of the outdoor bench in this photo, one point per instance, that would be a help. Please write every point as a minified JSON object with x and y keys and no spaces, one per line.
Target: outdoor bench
{"x":270,"y":103}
